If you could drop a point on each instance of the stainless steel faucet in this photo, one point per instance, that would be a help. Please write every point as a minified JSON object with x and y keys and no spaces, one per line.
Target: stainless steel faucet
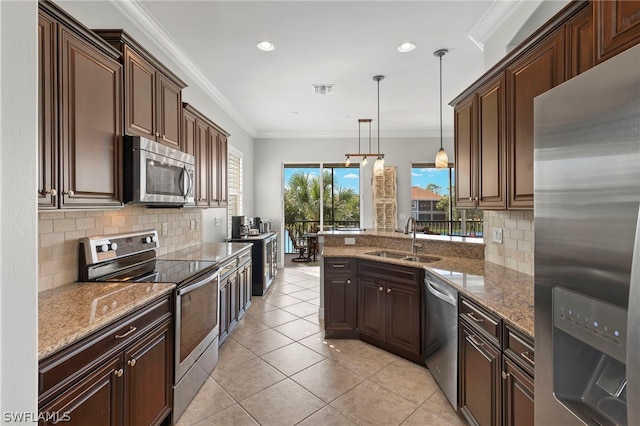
{"x":406,"y":231}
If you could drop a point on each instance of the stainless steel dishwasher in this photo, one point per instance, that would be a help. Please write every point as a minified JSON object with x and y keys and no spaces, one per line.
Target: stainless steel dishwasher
{"x":441,"y":335}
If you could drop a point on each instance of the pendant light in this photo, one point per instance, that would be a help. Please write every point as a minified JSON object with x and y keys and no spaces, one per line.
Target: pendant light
{"x":442,"y":160}
{"x":347,"y":162}
{"x":378,"y":166}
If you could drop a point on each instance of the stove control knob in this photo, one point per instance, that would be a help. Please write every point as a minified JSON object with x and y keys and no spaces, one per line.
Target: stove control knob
{"x":146,"y":240}
{"x":114,"y":246}
{"x":103,"y":248}
{"x":154,"y":239}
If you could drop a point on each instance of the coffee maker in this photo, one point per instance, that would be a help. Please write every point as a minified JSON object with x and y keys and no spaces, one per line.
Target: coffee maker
{"x":239,"y":226}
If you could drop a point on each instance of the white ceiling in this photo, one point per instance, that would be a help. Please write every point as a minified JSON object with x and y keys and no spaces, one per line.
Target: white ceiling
{"x":344,"y":43}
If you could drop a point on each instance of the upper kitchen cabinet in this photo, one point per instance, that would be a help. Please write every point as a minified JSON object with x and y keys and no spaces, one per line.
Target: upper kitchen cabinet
{"x":617,"y":27}
{"x":152,"y":93}
{"x":535,"y":72}
{"x":208,"y":143}
{"x":579,"y":39}
{"x":80,"y":126}
{"x":480,"y":148}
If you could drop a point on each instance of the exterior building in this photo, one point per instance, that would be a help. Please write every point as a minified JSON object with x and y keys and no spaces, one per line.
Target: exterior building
{"x":423,"y":205}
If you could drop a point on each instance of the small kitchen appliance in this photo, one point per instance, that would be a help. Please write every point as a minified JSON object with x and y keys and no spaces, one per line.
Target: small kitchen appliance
{"x":239,"y":226}
{"x":132,"y":257}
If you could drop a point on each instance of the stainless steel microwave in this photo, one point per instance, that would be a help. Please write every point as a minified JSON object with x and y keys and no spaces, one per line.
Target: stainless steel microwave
{"x":157,"y":175}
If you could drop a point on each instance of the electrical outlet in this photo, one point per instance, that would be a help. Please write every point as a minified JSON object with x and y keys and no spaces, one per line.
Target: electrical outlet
{"x":497,"y":235}
{"x":165,"y":228}
{"x":193,"y":224}
{"x":349,"y":241}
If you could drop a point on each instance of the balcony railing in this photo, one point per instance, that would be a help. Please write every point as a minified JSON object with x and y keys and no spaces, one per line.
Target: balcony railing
{"x":471,"y":228}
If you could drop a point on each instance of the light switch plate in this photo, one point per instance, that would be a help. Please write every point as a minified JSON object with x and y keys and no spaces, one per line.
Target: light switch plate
{"x":165,"y":229}
{"x":497,"y":235}
{"x":349,"y":241}
{"x":193,"y":224}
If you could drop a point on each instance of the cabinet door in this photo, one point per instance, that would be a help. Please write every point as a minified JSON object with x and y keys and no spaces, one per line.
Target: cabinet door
{"x":403,"y":317}
{"x":148,"y":378}
{"x":214,"y":172}
{"x":47,"y":115}
{"x":169,"y":112}
{"x":202,"y":165}
{"x":371,"y":308}
{"x":234,"y":302}
{"x":222,"y":170}
{"x":242,"y":288}
{"x":533,"y":74}
{"x":618,"y":27}
{"x":91,"y":130}
{"x":517,"y":395}
{"x":96,"y":400}
{"x":579,"y":34}
{"x":491,"y":146}
{"x":479,"y":375}
{"x":224,"y":311}
{"x":340,"y":305}
{"x":465,"y":150}
{"x":189,"y":131}
{"x":139,"y":95}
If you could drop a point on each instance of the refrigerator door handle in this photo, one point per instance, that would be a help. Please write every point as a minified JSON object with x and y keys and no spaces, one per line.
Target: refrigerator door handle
{"x":633,"y":337}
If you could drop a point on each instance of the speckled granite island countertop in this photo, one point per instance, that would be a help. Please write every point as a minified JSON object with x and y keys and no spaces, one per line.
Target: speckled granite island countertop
{"x":215,"y":252}
{"x":504,"y":291}
{"x":69,"y":313}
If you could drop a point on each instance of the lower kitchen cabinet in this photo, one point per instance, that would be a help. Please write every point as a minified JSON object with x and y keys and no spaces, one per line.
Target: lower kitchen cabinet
{"x":340,"y":298}
{"x":480,"y":398}
{"x":122,"y":374}
{"x":517,"y":389}
{"x":235,"y":291}
{"x":389,"y":307}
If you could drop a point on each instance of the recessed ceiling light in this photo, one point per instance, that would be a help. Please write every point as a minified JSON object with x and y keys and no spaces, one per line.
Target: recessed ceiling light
{"x":406,"y":47}
{"x":265,"y":45}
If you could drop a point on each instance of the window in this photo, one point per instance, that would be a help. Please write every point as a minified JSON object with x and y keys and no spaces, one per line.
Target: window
{"x":235,"y":185}
{"x":431,"y":193}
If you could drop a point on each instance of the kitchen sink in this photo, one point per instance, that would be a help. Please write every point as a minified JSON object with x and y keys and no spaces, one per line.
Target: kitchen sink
{"x":404,"y":256}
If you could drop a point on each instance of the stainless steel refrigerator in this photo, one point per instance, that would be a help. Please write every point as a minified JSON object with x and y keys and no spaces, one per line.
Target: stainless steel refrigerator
{"x":587,"y":247}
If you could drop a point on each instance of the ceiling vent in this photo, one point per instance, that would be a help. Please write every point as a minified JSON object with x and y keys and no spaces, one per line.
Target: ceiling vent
{"x":324,"y":89}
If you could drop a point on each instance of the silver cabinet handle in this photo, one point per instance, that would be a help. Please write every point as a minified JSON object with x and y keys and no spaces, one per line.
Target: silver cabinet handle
{"x":380,"y":288}
{"x":132,"y":329}
{"x":119,"y":372}
{"x":132,"y":362}
{"x":348,"y":281}
{"x":505,"y":375}
{"x":470,"y":198}
{"x":157,"y":134}
{"x":70,"y":193}
{"x":475,"y":199}
{"x":337,"y":265}
{"x":388,"y":290}
{"x":473,"y":317}
{"x":53,"y":192}
{"x":526,"y":356}
{"x":474,"y":341}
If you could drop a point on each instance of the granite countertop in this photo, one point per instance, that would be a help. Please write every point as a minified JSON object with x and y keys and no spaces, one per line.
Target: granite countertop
{"x":216,"y":252}
{"x":69,"y":313}
{"x":253,"y":237}
{"x":503,"y":291}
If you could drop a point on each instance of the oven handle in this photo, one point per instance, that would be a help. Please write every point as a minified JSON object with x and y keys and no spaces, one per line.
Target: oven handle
{"x":189,"y":288}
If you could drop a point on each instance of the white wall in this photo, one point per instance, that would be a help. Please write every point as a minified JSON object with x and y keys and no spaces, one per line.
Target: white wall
{"x":18,"y":208}
{"x":273,"y":153}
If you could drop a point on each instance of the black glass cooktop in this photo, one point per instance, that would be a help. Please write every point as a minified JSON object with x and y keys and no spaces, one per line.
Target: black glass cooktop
{"x":166,"y":271}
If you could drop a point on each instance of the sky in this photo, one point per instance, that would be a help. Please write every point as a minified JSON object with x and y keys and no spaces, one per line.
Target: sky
{"x":349,"y":178}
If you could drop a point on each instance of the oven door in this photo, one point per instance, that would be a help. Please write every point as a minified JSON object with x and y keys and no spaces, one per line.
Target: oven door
{"x":196,"y":323}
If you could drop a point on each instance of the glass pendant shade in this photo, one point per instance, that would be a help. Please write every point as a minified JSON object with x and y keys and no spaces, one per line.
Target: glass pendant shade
{"x":348,"y":162}
{"x":364,"y":161}
{"x":378,"y":167}
{"x":442,"y":159}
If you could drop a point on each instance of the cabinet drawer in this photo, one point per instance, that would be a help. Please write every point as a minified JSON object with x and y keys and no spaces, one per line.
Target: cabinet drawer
{"x":391,"y":272}
{"x":244,"y":258}
{"x":77,"y":360}
{"x":339,"y":265}
{"x":482,"y":320}
{"x":519,"y":348}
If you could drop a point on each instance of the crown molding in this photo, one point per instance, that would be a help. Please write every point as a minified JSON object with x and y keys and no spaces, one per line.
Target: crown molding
{"x":497,"y":14}
{"x":138,"y":15}
{"x":350,"y":134}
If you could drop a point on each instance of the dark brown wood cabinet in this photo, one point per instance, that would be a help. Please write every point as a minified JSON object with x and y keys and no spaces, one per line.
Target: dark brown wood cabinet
{"x":120,"y":375}
{"x":480,"y":377}
{"x":389,"y":307}
{"x":480,"y":148}
{"x":209,"y":144}
{"x":80,"y":114}
{"x":579,"y":42}
{"x":152,"y":93}
{"x":617,"y":26}
{"x":340,"y":298}
{"x":535,"y":72}
{"x":235,"y":291}
{"x":517,"y":389}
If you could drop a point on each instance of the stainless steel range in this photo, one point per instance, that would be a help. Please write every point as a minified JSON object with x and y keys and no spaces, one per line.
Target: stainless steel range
{"x":132,"y":257}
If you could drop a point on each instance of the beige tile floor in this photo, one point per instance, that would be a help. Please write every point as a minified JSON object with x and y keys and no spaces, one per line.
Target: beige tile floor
{"x":277,"y":369}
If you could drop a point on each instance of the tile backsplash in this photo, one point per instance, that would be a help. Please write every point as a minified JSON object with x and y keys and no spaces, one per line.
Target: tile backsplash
{"x":59,"y":232}
{"x":516,"y":250}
